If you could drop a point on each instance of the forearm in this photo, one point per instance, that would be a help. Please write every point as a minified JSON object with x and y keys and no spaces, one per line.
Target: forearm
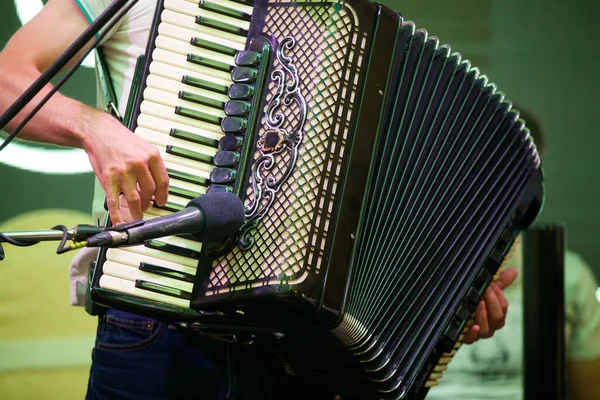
{"x":62,"y":120}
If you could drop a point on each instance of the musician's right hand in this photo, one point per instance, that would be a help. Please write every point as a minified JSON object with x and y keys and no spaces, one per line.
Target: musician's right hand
{"x":125,"y":163}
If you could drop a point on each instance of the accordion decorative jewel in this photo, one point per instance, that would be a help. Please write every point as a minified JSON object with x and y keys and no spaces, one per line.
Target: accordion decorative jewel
{"x":384,"y":179}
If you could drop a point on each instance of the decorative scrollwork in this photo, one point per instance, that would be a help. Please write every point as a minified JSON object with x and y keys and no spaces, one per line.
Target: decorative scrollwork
{"x":275,"y":142}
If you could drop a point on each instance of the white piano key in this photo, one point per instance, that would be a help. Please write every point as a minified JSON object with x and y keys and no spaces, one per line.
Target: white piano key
{"x":180,"y":61}
{"x":132,"y":274}
{"x":177,"y":73}
{"x":187,"y":170}
{"x":175,"y":86}
{"x":186,"y":162}
{"x":195,"y":190}
{"x":182,"y":242}
{"x":159,"y":124}
{"x":164,"y":140}
{"x":183,"y":26}
{"x":134,"y":259}
{"x":229,"y":4}
{"x":183,"y":7}
{"x":166,"y":112}
{"x":163,"y":255}
{"x":184,"y":47}
{"x":127,"y":287}
{"x":172,"y":100}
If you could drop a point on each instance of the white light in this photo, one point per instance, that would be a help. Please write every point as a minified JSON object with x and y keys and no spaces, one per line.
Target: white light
{"x":598,"y":294}
{"x":27,"y":9}
{"x":61,"y":161}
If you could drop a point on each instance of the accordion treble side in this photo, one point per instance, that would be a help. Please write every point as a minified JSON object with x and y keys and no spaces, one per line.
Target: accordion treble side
{"x":384,"y":179}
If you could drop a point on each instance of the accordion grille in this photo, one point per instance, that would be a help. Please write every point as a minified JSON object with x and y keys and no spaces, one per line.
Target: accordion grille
{"x":290,"y":239}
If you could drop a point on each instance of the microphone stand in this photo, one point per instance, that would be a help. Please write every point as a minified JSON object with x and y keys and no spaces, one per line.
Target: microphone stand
{"x":78,"y":234}
{"x":63,"y":60}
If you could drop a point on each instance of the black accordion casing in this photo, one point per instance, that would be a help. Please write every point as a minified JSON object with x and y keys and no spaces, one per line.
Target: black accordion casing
{"x":385,"y":179}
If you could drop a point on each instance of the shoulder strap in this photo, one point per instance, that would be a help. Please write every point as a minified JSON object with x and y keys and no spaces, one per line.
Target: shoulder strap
{"x":108,"y":91}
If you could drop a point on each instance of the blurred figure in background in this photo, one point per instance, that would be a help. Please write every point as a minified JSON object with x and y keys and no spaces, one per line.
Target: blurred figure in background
{"x":493,"y":368}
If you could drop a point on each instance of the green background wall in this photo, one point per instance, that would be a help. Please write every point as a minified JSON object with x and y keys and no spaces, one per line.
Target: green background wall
{"x":541,"y":53}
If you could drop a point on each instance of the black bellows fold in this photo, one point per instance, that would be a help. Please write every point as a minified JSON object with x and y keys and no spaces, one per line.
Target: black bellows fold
{"x":455,"y":177}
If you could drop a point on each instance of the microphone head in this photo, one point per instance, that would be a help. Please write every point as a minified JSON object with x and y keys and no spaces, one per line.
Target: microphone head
{"x":223,"y":214}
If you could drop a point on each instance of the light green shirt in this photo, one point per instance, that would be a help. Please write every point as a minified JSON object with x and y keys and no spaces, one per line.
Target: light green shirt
{"x":122,"y":46}
{"x":492,"y":368}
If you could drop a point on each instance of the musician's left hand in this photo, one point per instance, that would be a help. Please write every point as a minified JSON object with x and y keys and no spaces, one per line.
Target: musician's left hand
{"x":490,"y":314}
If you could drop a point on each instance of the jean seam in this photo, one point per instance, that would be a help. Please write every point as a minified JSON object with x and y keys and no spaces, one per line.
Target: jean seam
{"x":129,"y":323}
{"x":137,"y":346}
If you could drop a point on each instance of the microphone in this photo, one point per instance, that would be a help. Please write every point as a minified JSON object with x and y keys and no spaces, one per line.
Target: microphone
{"x":210,"y":217}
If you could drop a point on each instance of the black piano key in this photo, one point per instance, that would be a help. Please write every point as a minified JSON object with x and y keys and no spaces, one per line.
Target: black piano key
{"x":247,"y":58}
{"x":221,"y":26}
{"x":202,"y":84}
{"x":245,"y":2}
{"x":156,"y":288}
{"x":192,"y":137}
{"x":223,"y":175}
{"x":184,"y":176}
{"x":235,"y":125}
{"x":166,"y":272}
{"x":222,"y":10}
{"x":208,"y":45}
{"x":197,"y":98}
{"x":241,"y":91}
{"x":169,"y":248}
{"x":219,"y":189}
{"x":207,"y":62}
{"x":188,"y":194}
{"x":198,"y":115}
{"x":231,"y":143}
{"x":227,"y":159}
{"x":189,"y":154}
{"x":244,"y":75}
{"x":237,"y":108}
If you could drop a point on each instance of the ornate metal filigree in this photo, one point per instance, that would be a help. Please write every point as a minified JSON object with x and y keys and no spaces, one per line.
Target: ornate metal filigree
{"x":275,"y":142}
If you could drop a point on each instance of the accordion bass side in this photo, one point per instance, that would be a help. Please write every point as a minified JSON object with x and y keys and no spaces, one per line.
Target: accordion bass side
{"x":384,"y":179}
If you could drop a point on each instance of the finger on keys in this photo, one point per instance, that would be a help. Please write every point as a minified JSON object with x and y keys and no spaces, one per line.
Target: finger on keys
{"x":495,"y":313}
{"x":481,"y":319}
{"x":472,"y":334}
{"x":132,"y":195}
{"x":161,"y":180}
{"x":112,"y":200}
{"x":146,"y":187}
{"x":507,"y":277}
{"x":501,"y":298}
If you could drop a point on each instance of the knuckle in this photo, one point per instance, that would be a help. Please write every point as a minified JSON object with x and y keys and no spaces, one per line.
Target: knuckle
{"x":133,"y":197}
{"x":111,"y":202}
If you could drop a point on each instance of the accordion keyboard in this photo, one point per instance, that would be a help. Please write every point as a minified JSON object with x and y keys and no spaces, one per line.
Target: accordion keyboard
{"x":197,"y":91}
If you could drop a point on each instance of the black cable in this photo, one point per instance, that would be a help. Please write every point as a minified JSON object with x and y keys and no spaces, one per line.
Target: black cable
{"x":14,"y":242}
{"x":7,"y":117}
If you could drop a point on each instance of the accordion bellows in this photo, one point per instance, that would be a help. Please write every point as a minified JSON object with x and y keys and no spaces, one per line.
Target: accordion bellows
{"x":384,"y":177}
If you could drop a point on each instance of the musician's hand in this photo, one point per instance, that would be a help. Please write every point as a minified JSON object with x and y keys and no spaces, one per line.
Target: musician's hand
{"x":125,"y":163}
{"x":490,"y":314}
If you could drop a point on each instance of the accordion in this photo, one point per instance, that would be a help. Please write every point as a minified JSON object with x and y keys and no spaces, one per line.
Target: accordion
{"x":384,"y":180}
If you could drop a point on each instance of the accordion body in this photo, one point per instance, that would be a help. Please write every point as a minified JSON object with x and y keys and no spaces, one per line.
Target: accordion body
{"x":384,"y":180}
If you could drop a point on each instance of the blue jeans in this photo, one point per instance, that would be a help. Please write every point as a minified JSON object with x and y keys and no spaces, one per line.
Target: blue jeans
{"x":140,"y":358}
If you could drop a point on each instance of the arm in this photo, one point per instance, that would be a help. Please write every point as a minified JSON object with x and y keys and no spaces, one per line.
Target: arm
{"x":123,"y":162}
